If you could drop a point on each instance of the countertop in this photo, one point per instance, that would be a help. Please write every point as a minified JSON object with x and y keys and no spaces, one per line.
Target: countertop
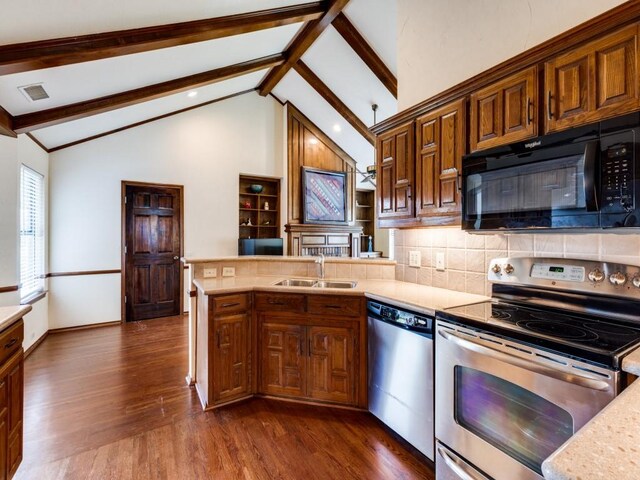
{"x":9,"y":315}
{"x":608,"y":447}
{"x":288,"y":258}
{"x":425,"y":300}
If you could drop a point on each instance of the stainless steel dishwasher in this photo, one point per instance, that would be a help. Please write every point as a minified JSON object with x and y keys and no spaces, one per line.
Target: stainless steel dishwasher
{"x":401,"y":373}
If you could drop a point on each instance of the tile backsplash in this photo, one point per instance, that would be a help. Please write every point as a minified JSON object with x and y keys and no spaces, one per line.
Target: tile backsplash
{"x":467,"y":256}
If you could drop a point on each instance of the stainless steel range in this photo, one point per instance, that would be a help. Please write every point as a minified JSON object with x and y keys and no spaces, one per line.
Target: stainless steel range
{"x":517,"y":376}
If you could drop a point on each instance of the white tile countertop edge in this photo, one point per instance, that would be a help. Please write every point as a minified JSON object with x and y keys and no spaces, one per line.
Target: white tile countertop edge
{"x":423,"y":299}
{"x":9,"y":315}
{"x":608,"y":447}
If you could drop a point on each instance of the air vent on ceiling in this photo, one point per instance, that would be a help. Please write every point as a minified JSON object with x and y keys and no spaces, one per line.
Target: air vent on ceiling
{"x":34,"y":92}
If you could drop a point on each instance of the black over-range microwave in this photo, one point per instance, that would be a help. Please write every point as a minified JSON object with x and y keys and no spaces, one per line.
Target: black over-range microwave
{"x":587,"y":177}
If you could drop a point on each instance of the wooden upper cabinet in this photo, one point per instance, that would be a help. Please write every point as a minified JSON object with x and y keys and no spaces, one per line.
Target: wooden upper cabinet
{"x":395,"y":167}
{"x":505,"y":111}
{"x":593,"y":82}
{"x":440,"y":147}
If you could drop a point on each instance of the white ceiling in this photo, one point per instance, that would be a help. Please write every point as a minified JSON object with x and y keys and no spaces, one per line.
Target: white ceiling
{"x":330,"y":58}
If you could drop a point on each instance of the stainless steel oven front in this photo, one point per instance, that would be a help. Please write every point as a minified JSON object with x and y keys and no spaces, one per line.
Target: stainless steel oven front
{"x":504,"y":406}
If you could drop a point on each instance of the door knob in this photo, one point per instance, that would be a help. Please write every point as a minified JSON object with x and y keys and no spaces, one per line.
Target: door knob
{"x":176,"y":257}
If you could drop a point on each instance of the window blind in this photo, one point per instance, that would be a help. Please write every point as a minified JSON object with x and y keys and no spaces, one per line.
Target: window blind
{"x":31,"y":232}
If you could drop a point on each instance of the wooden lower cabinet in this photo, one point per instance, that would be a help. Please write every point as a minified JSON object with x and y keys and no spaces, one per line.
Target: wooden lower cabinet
{"x":11,"y":399}
{"x":305,"y":361}
{"x":223,"y":348}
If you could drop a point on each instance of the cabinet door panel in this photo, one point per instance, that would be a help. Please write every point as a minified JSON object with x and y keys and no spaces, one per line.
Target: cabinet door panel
{"x":593,"y":82}
{"x":504,"y":112}
{"x":282,"y":361}
{"x":231,"y":352}
{"x":331,"y":366}
{"x":395,"y":167}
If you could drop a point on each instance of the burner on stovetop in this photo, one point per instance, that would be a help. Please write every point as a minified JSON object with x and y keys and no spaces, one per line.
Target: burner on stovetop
{"x":560,"y":330}
{"x":611,"y":329}
{"x":501,"y":312}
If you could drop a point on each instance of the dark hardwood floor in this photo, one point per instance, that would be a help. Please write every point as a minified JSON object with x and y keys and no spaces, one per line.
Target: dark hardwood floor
{"x":111,"y":403}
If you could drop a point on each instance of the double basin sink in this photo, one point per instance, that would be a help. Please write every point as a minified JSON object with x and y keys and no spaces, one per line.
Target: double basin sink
{"x":304,"y":282}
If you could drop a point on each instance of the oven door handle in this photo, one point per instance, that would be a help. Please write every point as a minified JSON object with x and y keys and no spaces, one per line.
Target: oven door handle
{"x":582,"y":379}
{"x":459,"y":469}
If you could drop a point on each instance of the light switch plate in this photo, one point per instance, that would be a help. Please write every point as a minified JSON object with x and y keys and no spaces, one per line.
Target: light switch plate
{"x":440,"y":261}
{"x":210,"y":272}
{"x":228,"y":271}
{"x":414,"y":258}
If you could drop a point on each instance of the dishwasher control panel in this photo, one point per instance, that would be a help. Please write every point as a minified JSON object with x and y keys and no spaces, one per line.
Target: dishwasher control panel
{"x":400,"y":317}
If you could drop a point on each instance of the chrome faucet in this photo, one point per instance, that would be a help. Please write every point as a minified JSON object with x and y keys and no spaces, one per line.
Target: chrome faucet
{"x":320,"y":262}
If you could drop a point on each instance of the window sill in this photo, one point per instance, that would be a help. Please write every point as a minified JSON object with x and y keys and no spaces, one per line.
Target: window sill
{"x":33,"y":298}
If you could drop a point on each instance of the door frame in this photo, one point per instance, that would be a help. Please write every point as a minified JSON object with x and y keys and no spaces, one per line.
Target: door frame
{"x":123,"y":239}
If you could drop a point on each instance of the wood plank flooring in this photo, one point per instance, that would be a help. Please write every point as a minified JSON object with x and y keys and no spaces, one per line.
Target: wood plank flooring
{"x":112,"y":403}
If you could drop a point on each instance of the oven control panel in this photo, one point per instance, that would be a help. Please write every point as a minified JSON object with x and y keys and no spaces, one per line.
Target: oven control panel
{"x":568,"y":274}
{"x":554,"y":271}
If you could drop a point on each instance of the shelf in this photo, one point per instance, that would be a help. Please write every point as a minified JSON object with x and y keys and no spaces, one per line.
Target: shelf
{"x":258,"y":195}
{"x":362,"y":220}
{"x":363,"y":206}
{"x":258,"y":226}
{"x":257,"y":210}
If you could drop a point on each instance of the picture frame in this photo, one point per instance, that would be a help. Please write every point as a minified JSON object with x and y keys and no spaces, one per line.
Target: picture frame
{"x":324,"y":197}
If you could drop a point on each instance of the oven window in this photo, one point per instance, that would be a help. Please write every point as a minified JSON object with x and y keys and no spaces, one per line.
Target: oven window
{"x":522,"y":424}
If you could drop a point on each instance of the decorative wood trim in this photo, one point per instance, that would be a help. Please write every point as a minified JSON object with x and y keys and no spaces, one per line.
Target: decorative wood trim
{"x":333,"y":100}
{"x":36,"y":344}
{"x":34,"y":298}
{"x":65,"y":51}
{"x":10,"y":288}
{"x":54,"y":116}
{"x":360,"y":45}
{"x":37,"y":142}
{"x":6,"y":124}
{"x":625,"y":14}
{"x":84,"y":272}
{"x":137,"y":124}
{"x":300,"y":44}
{"x":84,"y":327}
{"x":276,"y":99}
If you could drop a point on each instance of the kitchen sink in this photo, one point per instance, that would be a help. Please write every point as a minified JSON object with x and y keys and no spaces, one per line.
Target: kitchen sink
{"x":299,"y":282}
{"x":335,"y":284}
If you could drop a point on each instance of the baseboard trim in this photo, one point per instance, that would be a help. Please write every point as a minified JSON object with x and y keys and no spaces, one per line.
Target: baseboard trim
{"x":84,"y":327}
{"x":36,"y":344}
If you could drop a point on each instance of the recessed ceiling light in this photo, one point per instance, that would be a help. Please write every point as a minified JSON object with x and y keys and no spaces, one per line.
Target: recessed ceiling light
{"x":192,"y":94}
{"x":337,"y":128}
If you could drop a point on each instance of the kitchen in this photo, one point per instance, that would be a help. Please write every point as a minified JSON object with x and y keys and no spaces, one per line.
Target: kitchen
{"x":90,"y":170}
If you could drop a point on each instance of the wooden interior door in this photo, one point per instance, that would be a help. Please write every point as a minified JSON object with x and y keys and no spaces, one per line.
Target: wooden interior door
{"x":152,"y":249}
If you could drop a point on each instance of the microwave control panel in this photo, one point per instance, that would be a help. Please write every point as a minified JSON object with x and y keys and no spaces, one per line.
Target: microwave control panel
{"x":617,"y":178}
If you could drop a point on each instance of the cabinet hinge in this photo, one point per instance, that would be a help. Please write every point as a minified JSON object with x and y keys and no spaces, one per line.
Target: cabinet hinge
{"x":125,"y":199}
{"x":125,"y":249}
{"x":125,"y":299}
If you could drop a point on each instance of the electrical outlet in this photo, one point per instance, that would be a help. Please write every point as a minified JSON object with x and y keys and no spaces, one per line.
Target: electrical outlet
{"x":210,"y":272}
{"x":440,"y":261}
{"x":414,"y":258}
{"x":228,"y":271}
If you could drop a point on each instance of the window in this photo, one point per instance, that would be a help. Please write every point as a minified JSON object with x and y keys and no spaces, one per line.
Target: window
{"x":31,"y":232}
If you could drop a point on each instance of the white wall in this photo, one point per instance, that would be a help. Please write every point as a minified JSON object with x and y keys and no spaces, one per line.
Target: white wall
{"x":442,"y":43}
{"x":13,"y":153}
{"x":204,"y":149}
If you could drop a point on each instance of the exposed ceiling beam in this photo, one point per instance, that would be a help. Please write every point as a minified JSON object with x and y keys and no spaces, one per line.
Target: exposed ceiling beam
{"x":331,"y":98}
{"x":6,"y":124}
{"x":23,"y":57}
{"x":54,"y":116}
{"x":359,"y":45}
{"x":300,"y":44}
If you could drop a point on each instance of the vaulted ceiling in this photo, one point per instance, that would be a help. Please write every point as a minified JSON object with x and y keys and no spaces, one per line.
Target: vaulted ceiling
{"x":108,"y":66}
